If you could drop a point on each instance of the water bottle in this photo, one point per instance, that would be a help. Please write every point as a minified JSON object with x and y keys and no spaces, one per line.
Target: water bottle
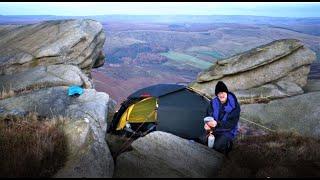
{"x":211,"y":140}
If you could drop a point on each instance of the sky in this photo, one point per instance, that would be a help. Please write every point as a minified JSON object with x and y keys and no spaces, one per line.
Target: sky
{"x":272,"y":9}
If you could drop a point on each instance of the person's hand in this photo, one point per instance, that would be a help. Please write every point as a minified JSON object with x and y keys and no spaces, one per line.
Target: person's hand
{"x":212,"y":124}
{"x":207,"y":127}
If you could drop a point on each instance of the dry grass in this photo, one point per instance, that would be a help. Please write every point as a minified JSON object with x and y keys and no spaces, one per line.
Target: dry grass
{"x":9,"y":92}
{"x":274,"y":155}
{"x":118,"y":144}
{"x":6,"y":93}
{"x":254,"y":100}
{"x":33,"y":87}
{"x":31,"y":146}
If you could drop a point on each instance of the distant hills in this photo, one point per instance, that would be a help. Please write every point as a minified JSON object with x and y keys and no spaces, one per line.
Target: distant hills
{"x":309,"y":25}
{"x":174,"y":18}
{"x":145,"y":50}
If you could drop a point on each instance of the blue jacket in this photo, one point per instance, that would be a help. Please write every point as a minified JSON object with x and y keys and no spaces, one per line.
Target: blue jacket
{"x":227,"y":115}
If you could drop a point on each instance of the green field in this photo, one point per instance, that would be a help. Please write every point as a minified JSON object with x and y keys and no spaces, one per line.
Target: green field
{"x":213,"y":54}
{"x":180,"y":58}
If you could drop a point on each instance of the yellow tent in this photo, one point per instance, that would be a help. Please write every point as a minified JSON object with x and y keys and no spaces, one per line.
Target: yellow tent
{"x":140,"y":112}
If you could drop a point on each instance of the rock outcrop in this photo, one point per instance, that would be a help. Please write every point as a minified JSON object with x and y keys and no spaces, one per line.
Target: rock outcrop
{"x":85,"y":131}
{"x":275,"y":70}
{"x":44,"y":77}
{"x":73,"y":42}
{"x":299,"y":114}
{"x":160,"y":154}
{"x":38,"y":62}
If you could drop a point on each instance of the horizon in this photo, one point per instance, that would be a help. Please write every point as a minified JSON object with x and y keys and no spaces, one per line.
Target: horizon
{"x":264,"y":9}
{"x":156,"y":15}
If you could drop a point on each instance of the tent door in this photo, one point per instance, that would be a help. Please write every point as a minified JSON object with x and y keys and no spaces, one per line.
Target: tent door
{"x":141,"y":112}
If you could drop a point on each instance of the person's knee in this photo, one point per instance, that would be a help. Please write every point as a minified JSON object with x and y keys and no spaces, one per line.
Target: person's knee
{"x":224,"y":146}
{"x":229,"y":146}
{"x":219,"y":146}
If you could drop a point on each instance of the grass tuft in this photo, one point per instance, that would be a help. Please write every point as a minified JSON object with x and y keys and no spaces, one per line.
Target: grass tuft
{"x":31,"y":146}
{"x":280,"y":154}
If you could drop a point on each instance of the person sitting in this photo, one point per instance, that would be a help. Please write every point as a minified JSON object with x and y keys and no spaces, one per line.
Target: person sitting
{"x":225,"y":111}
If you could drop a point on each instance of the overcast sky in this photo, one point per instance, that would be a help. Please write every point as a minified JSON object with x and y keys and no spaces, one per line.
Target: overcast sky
{"x":275,"y":9}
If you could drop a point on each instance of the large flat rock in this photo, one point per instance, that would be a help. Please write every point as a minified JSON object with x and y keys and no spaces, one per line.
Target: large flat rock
{"x":162,"y":155}
{"x":286,"y":60}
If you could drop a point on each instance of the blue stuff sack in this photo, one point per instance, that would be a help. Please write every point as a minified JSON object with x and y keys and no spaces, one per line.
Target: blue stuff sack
{"x":75,"y":91}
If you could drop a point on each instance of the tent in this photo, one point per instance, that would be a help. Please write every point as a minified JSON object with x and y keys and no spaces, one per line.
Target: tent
{"x":172,"y":108}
